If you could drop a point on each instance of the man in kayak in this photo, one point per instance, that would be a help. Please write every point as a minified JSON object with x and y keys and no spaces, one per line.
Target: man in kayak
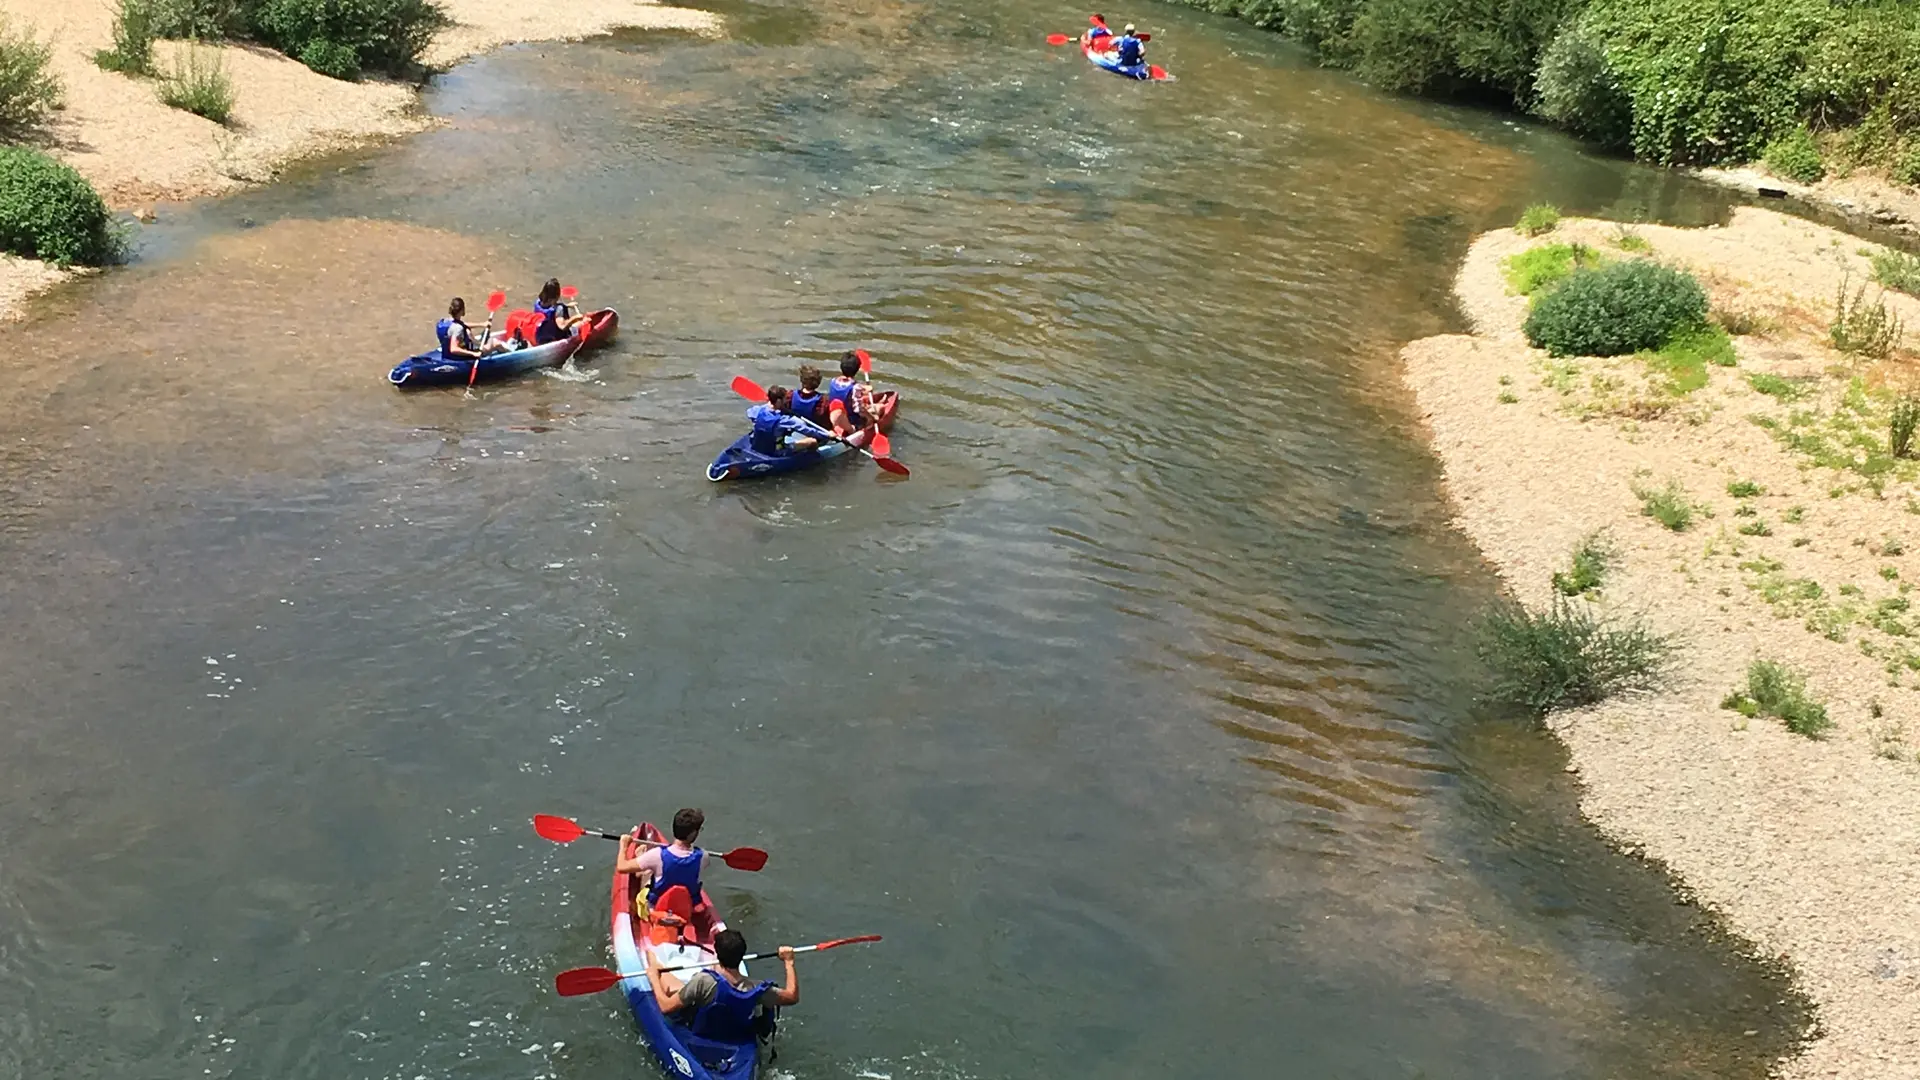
{"x":676,"y":864}
{"x":557,"y":320}
{"x":1130,"y":51}
{"x":1098,"y":31}
{"x":808,"y":402}
{"x":721,"y":1003}
{"x":456,"y":337}
{"x":849,"y":401}
{"x":777,"y":431}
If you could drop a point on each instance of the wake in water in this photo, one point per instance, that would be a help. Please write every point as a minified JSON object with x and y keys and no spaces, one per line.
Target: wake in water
{"x":569,"y":372}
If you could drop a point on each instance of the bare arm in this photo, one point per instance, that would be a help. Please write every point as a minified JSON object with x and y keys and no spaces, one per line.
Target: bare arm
{"x":638,"y":858}
{"x":666,"y":988}
{"x":789,"y":994}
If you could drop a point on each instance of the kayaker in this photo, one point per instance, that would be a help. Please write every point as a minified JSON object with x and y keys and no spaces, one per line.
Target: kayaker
{"x":1098,"y":31}
{"x":777,"y":431}
{"x":849,"y":401}
{"x":676,"y":864}
{"x":556,"y":317}
{"x":724,"y":1005}
{"x":456,"y":337}
{"x":808,"y":401}
{"x":1131,"y":51}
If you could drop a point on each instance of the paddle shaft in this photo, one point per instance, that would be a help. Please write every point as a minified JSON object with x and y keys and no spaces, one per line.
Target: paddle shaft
{"x":798,"y":949}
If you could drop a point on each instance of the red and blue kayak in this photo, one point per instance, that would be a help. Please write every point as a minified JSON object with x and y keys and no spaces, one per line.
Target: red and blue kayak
{"x":742,"y":462}
{"x":1109,"y":59}
{"x":681,"y":1052}
{"x":431,"y":369}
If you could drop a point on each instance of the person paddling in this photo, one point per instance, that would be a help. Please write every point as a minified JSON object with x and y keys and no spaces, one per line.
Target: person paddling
{"x":557,"y":319}
{"x":1099,"y":30}
{"x":676,"y":864}
{"x":808,"y":402}
{"x":1130,"y":50}
{"x":849,"y":401}
{"x":720,"y":1002}
{"x":777,"y":431}
{"x":456,"y":337}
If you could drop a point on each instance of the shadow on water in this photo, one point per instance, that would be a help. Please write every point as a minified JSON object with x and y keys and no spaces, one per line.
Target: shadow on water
{"x":1138,"y":721}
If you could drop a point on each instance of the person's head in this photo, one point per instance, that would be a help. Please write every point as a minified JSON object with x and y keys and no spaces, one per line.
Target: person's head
{"x":1129,"y":29}
{"x":550,"y":292}
{"x":850,"y":365}
{"x":687,"y":823}
{"x":730,"y":947}
{"x":457,"y":308}
{"x":777,"y":396}
{"x":809,"y":378}
{"x":1099,"y":20}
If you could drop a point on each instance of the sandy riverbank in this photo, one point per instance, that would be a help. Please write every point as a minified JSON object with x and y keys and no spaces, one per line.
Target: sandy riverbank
{"x":1862,"y":195}
{"x":1811,"y":849}
{"x":137,"y":151}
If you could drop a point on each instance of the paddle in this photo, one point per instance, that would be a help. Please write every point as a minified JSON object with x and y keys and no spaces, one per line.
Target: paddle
{"x":592,"y":980}
{"x":751,"y":390}
{"x":495,"y":301}
{"x":564,"y":831}
{"x":880,"y":444}
{"x":1062,"y":39}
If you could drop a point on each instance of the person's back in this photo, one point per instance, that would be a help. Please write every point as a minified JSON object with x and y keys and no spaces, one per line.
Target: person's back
{"x":680,"y":861}
{"x":775,"y":430}
{"x":1130,"y":49}
{"x":808,"y":402}
{"x":450,"y":331}
{"x":721,"y":1003}
{"x":1098,"y":31}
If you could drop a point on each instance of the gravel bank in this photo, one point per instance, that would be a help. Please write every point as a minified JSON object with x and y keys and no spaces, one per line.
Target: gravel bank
{"x":137,"y":151}
{"x":1810,"y":848}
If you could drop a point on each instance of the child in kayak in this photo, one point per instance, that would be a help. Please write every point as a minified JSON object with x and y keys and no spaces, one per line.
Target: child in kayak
{"x":1130,"y":51}
{"x":776,"y":431}
{"x":456,"y":337}
{"x":808,"y":401}
{"x":849,"y":401}
{"x":557,"y":320}
{"x":1093,"y":36}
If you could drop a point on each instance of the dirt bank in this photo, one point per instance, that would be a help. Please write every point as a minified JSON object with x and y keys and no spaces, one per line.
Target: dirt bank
{"x":1862,"y":195}
{"x":137,"y":151}
{"x":1810,"y":848}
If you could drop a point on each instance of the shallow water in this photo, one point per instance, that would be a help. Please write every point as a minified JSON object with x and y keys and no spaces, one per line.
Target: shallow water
{"x":1138,"y":721}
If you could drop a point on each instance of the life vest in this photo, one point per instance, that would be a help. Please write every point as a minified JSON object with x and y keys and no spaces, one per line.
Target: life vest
{"x":1130,"y":51}
{"x":549,"y":328}
{"x":444,"y":331}
{"x":769,"y":431}
{"x":728,"y":1017}
{"x":676,"y":869}
{"x":808,"y":405}
{"x":844,"y":395}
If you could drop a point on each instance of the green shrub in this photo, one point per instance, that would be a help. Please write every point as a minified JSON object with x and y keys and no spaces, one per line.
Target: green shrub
{"x":1906,"y":167}
{"x":28,"y":91}
{"x":1419,"y":45}
{"x":1860,"y":328}
{"x":1539,"y":268}
{"x":1900,"y":425}
{"x":1685,"y":356}
{"x":1593,"y":558}
{"x":1619,"y":308}
{"x":1775,"y":690}
{"x":1793,"y":156}
{"x":201,"y":19}
{"x":1775,"y":386}
{"x":1669,"y":505}
{"x":132,"y":52}
{"x":48,"y":211}
{"x":384,"y":35}
{"x":1756,"y":527}
{"x":1627,"y":240}
{"x":1577,"y":88}
{"x":1538,"y":218}
{"x":199,"y":84}
{"x":1568,"y":656}
{"x":332,"y":59}
{"x":1897,"y":270}
{"x":1744,"y":489}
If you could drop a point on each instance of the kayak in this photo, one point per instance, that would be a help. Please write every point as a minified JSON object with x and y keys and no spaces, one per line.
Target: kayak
{"x":1109,"y":60}
{"x":429,"y":369}
{"x":681,"y":1052}
{"x":742,"y":462}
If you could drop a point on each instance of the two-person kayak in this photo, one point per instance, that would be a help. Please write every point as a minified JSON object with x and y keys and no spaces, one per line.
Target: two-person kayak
{"x":741,"y":461}
{"x":432,"y":369}
{"x":1109,"y":60}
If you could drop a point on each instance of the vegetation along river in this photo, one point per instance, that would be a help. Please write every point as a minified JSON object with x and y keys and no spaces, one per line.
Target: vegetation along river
{"x":1139,"y":720}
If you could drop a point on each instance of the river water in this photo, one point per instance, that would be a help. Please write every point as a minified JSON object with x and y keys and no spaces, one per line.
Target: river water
{"x":1139,"y":720}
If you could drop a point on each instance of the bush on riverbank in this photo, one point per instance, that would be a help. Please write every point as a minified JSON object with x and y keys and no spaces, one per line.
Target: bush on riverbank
{"x":339,"y":38}
{"x":199,"y":84}
{"x":48,"y":211}
{"x":1616,"y":309}
{"x":1775,"y":690}
{"x":133,"y":35}
{"x":28,"y":91}
{"x":1568,"y":656}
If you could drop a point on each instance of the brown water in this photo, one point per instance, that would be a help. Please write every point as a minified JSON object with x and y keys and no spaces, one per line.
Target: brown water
{"x":1139,"y":720}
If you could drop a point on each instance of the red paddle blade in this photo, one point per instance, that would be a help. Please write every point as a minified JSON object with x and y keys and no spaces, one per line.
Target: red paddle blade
{"x":866,"y":360}
{"x":584,"y":981}
{"x":1058,"y":39}
{"x":750,"y":859}
{"x":495,"y":301}
{"x":892,"y":466}
{"x":825,"y":945}
{"x":557,"y":829}
{"x":882,"y":446}
{"x":1144,"y":37}
{"x":748,"y":389}
{"x":1155,"y":71}
{"x":569,"y":292}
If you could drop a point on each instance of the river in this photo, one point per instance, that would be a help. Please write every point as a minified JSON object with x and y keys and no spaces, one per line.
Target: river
{"x":1139,"y":720}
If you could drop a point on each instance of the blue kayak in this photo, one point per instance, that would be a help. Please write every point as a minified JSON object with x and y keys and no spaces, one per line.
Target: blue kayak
{"x":429,"y":369}
{"x":1110,"y":61}
{"x":742,"y":462}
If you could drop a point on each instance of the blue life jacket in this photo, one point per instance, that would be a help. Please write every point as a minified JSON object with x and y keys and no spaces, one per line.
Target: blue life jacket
{"x":1097,"y":33}
{"x":844,"y":395}
{"x":808,"y":405}
{"x":444,"y":331}
{"x":549,"y":328}
{"x":728,"y":1017}
{"x":1130,"y":50}
{"x":677,"y":870}
{"x":770,"y":427}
